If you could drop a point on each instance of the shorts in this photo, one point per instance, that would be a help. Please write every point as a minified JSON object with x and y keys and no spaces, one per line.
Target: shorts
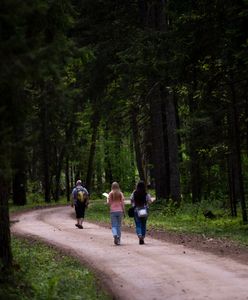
{"x":80,"y":210}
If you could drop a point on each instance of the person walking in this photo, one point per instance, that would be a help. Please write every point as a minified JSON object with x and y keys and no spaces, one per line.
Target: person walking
{"x":115,"y":201}
{"x":79,"y":200}
{"x":140,"y":200}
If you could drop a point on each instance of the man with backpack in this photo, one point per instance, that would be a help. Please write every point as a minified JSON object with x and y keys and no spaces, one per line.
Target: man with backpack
{"x":80,"y":200}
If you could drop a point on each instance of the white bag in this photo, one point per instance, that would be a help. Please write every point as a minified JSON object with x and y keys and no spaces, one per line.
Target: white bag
{"x":142,"y":212}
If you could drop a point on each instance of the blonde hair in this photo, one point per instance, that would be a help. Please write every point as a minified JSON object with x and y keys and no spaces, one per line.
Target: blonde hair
{"x":115,"y":188}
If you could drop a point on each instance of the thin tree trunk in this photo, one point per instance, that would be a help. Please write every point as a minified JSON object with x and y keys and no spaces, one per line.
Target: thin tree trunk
{"x":67,"y":179}
{"x":148,"y":157}
{"x":172,"y":147}
{"x":45,"y":151}
{"x":72,"y":176}
{"x":132,"y":163}
{"x":58,"y":174}
{"x":19,"y":166}
{"x":95,"y":125}
{"x":235,"y":155}
{"x":195,"y":174}
{"x":5,"y":246}
{"x":107,"y":162}
{"x":160,"y":169}
{"x":232,"y":200}
{"x":136,"y":140}
{"x":19,"y":188}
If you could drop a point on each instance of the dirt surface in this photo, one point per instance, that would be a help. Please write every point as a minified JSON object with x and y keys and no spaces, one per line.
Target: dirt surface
{"x":219,"y":246}
{"x":157,"y":270}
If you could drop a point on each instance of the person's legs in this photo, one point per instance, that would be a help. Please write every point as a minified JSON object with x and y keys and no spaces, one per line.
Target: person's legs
{"x":143,"y":227}
{"x":82,"y":217}
{"x":137,"y":224}
{"x":116,"y":226}
{"x":140,"y":228}
{"x":143,"y":231}
{"x":119,"y":221}
{"x":79,"y":215}
{"x":114,"y":223}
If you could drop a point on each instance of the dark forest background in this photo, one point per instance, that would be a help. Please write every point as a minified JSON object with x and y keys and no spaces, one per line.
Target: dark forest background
{"x":109,"y":90}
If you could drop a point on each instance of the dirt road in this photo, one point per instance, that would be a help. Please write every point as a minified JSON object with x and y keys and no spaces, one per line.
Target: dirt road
{"x":156,"y":270}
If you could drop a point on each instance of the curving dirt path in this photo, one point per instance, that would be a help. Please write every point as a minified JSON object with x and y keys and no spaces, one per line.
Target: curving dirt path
{"x":156,"y":270}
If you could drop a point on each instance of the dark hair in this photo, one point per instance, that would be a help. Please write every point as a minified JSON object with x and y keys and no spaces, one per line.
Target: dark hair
{"x":140,"y":194}
{"x":141,"y":188}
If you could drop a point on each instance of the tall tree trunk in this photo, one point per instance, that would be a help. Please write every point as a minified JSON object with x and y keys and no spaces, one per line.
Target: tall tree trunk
{"x":161,"y":174}
{"x":238,"y":186}
{"x":231,"y":180}
{"x":95,"y":124}
{"x":19,"y":162}
{"x":67,"y":179}
{"x":155,"y":18}
{"x":5,"y":247}
{"x":107,"y":159}
{"x":137,"y":147}
{"x":148,"y":157}
{"x":195,"y":174}
{"x":72,"y":176}
{"x":172,"y":147}
{"x":19,"y":188}
{"x":59,"y":166}
{"x":45,"y":150}
{"x":132,"y":182}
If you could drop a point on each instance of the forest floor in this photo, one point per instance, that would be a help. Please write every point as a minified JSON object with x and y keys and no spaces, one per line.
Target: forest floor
{"x":168,"y":266}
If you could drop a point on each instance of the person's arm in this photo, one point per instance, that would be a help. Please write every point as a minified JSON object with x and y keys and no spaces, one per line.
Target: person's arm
{"x":123,"y":203}
{"x":109,"y":199}
{"x":148,"y":198}
{"x":132,"y":199}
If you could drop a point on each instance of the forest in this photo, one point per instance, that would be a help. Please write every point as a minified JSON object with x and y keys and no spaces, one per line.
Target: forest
{"x":109,"y":91}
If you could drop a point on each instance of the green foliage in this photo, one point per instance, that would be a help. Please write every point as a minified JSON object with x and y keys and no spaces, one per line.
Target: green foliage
{"x":42,"y":273}
{"x":98,"y":210}
{"x":188,"y":218}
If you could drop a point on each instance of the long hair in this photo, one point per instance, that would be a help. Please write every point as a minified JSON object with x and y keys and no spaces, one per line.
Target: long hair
{"x":140,"y":193}
{"x":115,"y":188}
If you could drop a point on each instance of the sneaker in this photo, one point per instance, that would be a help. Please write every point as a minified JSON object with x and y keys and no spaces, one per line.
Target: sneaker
{"x":80,"y":226}
{"x":118,"y":240}
{"x":77,"y":225}
{"x":141,"y":241}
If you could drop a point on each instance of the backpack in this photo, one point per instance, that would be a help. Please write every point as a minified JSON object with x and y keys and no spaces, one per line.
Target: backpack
{"x":81,"y":196}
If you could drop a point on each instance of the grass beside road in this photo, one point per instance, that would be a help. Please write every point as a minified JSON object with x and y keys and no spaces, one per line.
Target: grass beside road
{"x":35,"y":203}
{"x":41,"y":272}
{"x":188,"y":218}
